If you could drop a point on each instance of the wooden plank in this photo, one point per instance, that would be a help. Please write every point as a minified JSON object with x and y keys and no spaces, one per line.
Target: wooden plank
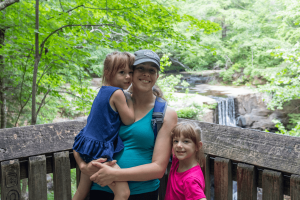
{"x":246,"y":182}
{"x":295,"y":187}
{"x":61,"y":176}
{"x":37,"y":181}
{"x":10,"y":180}
{"x":206,"y":173}
{"x":266,"y":150}
{"x":223,"y":179}
{"x":262,"y":149}
{"x":39,"y":139}
{"x":272,"y":185}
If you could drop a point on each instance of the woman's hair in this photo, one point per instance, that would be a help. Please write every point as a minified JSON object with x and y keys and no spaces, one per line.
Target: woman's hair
{"x":157,"y":91}
{"x":115,"y":61}
{"x":193,"y":132}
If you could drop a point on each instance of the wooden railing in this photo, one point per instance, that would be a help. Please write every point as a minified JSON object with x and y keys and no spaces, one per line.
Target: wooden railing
{"x":252,"y":158}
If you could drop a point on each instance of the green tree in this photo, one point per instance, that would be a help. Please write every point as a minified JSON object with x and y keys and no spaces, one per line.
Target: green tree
{"x":69,"y":32}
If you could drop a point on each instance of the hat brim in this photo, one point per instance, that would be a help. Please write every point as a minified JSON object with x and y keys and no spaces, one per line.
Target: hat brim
{"x":143,"y":60}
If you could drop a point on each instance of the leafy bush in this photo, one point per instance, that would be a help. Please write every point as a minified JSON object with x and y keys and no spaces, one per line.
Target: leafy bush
{"x":227,"y":75}
{"x":188,"y":113}
{"x":167,"y":85}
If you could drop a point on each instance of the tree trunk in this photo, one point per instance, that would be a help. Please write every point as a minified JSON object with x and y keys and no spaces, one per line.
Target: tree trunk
{"x":224,"y":27}
{"x":2,"y":84}
{"x":36,"y":64}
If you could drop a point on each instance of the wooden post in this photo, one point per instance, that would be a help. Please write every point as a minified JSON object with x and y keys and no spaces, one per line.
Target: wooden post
{"x":61,"y":176}
{"x":206,"y":173}
{"x":246,"y":182}
{"x":272,"y":185}
{"x":10,"y":180}
{"x":223,"y":179}
{"x":37,"y":180}
{"x":295,"y":187}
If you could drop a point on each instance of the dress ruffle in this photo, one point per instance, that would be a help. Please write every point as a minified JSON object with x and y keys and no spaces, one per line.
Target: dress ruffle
{"x":94,"y":148}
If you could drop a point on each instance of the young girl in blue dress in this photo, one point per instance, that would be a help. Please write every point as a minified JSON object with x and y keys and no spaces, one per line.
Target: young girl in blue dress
{"x":100,"y":138}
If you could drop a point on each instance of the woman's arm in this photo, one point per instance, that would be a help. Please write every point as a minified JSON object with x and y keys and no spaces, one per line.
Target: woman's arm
{"x":89,"y":169}
{"x":156,"y":169}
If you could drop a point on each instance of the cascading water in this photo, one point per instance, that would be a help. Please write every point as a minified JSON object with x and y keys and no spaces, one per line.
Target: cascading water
{"x":226,"y":116}
{"x":226,"y":111}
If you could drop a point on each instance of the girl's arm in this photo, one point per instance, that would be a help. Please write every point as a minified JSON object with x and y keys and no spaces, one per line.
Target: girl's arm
{"x":154,"y":170}
{"x":125,"y":109}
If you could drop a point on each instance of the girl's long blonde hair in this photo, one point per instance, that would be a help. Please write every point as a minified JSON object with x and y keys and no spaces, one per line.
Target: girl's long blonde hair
{"x":193,"y":132}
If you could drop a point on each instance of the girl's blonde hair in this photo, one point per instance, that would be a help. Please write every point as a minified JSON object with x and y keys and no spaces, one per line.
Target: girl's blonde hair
{"x":115,"y":61}
{"x":193,"y":132}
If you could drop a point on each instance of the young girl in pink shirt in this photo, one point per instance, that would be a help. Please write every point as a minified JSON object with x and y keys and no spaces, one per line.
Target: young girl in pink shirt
{"x":186,"y":181}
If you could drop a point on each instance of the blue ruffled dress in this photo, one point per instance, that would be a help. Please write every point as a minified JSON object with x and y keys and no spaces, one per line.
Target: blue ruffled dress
{"x":100,"y":137}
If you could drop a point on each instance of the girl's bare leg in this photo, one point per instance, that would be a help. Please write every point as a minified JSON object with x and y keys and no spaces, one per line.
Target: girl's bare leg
{"x":120,"y":189}
{"x":83,"y":187}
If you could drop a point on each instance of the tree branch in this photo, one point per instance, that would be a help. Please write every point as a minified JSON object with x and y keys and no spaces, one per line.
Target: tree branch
{"x":45,"y":70}
{"x":181,"y":64}
{"x":43,"y":43}
{"x":90,"y":8}
{"x":7,"y":3}
{"x":238,"y":5}
{"x":43,"y":100}
{"x":106,"y":8}
{"x":61,"y":6}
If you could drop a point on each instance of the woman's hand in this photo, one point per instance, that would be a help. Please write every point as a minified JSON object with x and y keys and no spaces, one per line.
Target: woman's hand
{"x":105,"y":174}
{"x":90,"y":169}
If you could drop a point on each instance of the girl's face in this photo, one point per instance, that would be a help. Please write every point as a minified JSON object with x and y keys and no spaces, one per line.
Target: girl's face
{"x":145,"y":76}
{"x":184,"y":148}
{"x":122,"y":78}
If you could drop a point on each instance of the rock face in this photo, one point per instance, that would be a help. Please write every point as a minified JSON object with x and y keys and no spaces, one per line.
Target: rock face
{"x":252,"y":112}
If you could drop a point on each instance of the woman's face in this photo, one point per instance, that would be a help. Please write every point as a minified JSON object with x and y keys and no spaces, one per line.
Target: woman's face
{"x":145,"y":76}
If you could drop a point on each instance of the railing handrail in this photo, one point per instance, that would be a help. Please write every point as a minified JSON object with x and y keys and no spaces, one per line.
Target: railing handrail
{"x":252,"y":158}
{"x":262,"y":149}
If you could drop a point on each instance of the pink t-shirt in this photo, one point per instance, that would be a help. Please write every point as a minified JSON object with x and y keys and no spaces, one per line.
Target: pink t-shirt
{"x":188,"y":185}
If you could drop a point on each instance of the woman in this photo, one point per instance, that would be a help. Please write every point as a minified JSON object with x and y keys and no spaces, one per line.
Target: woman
{"x":142,"y":161}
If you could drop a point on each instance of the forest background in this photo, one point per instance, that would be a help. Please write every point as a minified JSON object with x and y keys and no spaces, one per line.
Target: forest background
{"x":46,"y":63}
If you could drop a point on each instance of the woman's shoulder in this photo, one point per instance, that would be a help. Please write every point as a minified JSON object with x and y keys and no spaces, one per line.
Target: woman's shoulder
{"x":171,"y":115}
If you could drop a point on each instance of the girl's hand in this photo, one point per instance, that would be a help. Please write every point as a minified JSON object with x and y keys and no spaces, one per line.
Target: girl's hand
{"x":105,"y":174}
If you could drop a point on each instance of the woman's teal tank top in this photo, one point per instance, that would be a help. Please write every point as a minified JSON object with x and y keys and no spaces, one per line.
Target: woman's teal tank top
{"x":138,"y":139}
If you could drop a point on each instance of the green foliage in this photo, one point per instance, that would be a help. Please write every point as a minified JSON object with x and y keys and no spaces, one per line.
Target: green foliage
{"x":282,"y":130}
{"x":167,"y":85}
{"x":284,"y":86}
{"x":188,"y":113}
{"x":227,"y":75}
{"x":74,"y":37}
{"x":195,"y":111}
{"x":164,"y":62}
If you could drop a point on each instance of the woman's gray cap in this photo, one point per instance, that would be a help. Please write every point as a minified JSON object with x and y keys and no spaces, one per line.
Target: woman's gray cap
{"x":142,"y":56}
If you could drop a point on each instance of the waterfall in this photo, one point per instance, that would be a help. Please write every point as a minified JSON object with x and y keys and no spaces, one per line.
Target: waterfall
{"x":226,"y":111}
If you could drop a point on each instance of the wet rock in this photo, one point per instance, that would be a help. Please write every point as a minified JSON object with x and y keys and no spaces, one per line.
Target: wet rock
{"x":252,"y":111}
